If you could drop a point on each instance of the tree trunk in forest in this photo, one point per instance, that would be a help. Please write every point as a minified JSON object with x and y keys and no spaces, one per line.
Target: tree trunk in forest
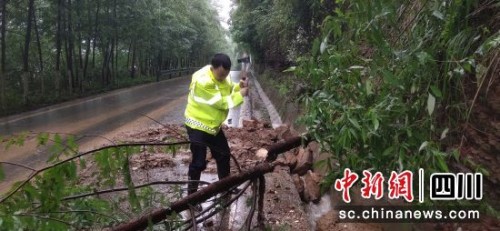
{"x":115,"y":42}
{"x":139,"y":64}
{"x":57,"y":76}
{"x":104,"y":63}
{"x":87,"y":49}
{"x":70,"y":50}
{"x":2,"y":64}
{"x":158,"y":65}
{"x":68,"y":71}
{"x":27,"y":37}
{"x":39,"y":45}
{"x":128,"y":56}
{"x":40,"y":57}
{"x":110,"y":65}
{"x":106,"y":68}
{"x":87,"y":55}
{"x":115,"y":59}
{"x":96,"y":28}
{"x":79,"y":57}
{"x":58,"y":36}
{"x":133,"y":67}
{"x":25,"y":75}
{"x":79,"y":31}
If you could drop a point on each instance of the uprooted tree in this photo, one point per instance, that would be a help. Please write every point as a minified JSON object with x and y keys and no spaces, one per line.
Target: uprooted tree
{"x":96,"y":188}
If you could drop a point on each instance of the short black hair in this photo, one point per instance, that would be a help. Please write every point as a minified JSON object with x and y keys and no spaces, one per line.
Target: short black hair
{"x":221,"y":60}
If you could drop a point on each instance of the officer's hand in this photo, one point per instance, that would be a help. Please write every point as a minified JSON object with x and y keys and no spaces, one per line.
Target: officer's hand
{"x":244,"y":91}
{"x":244,"y":82}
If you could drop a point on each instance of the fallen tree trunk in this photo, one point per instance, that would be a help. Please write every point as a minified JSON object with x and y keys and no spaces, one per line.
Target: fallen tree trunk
{"x":202,"y":195}
{"x":213,"y":189}
{"x":274,"y":150}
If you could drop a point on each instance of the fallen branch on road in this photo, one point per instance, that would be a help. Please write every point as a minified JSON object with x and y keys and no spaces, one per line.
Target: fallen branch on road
{"x":255,"y":173}
{"x":96,"y":193}
{"x":200,"y":196}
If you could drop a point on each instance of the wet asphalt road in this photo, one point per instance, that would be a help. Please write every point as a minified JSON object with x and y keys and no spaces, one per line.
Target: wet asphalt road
{"x":98,"y":114}
{"x":106,"y":115}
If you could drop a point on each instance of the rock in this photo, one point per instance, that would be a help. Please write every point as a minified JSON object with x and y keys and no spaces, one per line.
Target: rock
{"x":271,"y":191}
{"x":299,"y":185}
{"x":304,"y":161}
{"x":248,"y":145}
{"x":236,"y":142}
{"x":151,"y":133}
{"x":151,"y":161}
{"x":266,"y":135}
{"x":283,"y":132}
{"x":312,"y":191}
{"x":262,"y":125}
{"x":208,"y":223}
{"x":261,"y":153}
{"x":291,"y":160}
{"x":250,"y":123}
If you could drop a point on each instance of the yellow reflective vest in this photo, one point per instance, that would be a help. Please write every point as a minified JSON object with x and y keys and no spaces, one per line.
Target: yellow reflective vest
{"x":209,"y":101}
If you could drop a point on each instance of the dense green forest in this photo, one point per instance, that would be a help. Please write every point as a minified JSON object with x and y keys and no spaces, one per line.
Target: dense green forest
{"x":387,"y":85}
{"x":53,"y":50}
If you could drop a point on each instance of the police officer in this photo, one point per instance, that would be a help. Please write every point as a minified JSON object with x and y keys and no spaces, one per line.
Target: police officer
{"x":211,"y":96}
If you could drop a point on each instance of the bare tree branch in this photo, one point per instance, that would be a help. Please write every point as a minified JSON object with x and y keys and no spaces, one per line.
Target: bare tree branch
{"x":46,"y":218}
{"x":166,"y":127}
{"x":259,"y":170}
{"x":193,"y":217}
{"x":79,"y":211}
{"x":248,"y":222}
{"x":225,"y":205}
{"x":181,"y":205}
{"x":18,"y":165}
{"x":238,"y":166}
{"x":135,"y":187}
{"x":262,"y":191}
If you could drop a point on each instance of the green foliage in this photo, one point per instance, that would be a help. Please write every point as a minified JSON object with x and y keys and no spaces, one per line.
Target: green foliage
{"x":2,"y":173}
{"x":276,"y":31}
{"x":45,"y":203}
{"x":17,"y":140}
{"x":388,"y":82}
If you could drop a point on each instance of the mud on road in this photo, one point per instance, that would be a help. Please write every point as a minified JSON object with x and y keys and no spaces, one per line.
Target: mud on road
{"x":283,"y":207}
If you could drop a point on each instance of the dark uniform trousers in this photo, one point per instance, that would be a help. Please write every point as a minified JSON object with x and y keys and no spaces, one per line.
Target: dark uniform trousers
{"x":220,"y":152}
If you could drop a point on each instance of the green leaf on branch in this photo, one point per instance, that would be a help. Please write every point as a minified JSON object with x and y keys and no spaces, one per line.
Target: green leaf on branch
{"x":439,"y":157}
{"x":324,"y":43}
{"x":355,"y":123}
{"x":2,"y":173}
{"x":290,"y":69}
{"x":431,"y":104}
{"x":444,"y":133}
{"x":43,"y":138}
{"x":423,"y":146}
{"x":57,"y":149}
{"x":436,"y":92}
